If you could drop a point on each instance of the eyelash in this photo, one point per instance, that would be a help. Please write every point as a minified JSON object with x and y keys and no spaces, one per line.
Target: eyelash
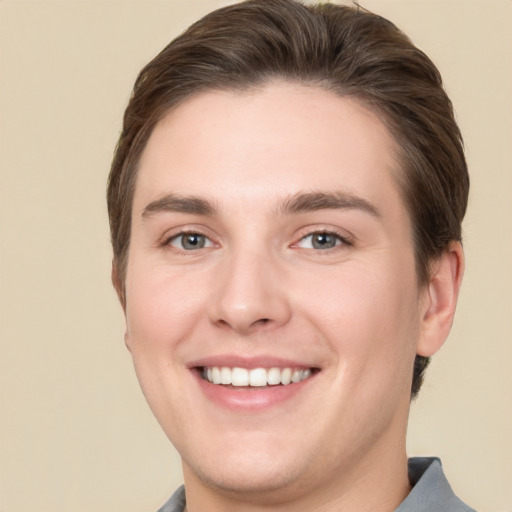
{"x":340,"y":241}
{"x":168,"y":241}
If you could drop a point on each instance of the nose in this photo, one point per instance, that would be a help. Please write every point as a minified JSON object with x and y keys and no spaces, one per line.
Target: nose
{"x":250,"y":294}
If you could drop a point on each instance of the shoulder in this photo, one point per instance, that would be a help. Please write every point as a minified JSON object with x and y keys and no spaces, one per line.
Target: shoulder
{"x":431,"y":491}
{"x":176,"y":502}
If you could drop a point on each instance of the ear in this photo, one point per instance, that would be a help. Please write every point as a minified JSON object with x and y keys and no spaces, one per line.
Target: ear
{"x":118,"y":285}
{"x":441,"y":296}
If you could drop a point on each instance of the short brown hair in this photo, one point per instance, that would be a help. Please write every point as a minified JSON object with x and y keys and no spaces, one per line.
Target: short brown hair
{"x":347,"y":50}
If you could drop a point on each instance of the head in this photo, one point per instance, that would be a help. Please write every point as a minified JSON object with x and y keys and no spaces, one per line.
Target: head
{"x":346,"y":50}
{"x":286,"y":199}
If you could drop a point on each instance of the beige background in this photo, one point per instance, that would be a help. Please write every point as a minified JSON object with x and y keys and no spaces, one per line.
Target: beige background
{"x":76,"y":434}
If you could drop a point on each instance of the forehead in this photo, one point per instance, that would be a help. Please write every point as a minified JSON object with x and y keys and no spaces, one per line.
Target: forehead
{"x":276,"y":141}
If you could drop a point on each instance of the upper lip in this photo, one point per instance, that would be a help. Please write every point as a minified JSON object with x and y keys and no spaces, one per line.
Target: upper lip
{"x":237,"y":361}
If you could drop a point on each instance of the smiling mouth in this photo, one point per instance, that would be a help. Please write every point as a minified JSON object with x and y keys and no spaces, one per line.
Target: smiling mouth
{"x":255,"y":377}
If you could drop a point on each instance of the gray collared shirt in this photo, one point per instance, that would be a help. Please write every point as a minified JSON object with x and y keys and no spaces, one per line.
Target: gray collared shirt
{"x":431,"y":491}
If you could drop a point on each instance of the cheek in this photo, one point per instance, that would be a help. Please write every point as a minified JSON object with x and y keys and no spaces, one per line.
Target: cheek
{"x":161,"y":309}
{"x":368,"y":314}
{"x":161,"y":313}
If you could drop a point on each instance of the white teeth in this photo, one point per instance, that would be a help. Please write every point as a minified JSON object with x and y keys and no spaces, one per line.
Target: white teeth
{"x":239,"y":377}
{"x":286,"y":376}
{"x":215,"y":375}
{"x":257,"y":377}
{"x":274,"y":376}
{"x":225,"y":375}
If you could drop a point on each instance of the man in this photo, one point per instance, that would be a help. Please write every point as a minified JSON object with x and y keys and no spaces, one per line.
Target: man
{"x":285,"y":204}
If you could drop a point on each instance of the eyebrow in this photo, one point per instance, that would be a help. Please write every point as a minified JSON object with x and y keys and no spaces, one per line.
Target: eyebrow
{"x":312,"y":201}
{"x":180,"y":204}
{"x":297,"y":203}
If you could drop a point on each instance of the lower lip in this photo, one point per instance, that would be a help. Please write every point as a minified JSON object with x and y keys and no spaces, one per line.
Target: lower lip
{"x":250,"y":399}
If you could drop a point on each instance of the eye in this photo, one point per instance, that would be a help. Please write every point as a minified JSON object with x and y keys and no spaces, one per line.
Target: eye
{"x":321,"y":240}
{"x":190,"y":241}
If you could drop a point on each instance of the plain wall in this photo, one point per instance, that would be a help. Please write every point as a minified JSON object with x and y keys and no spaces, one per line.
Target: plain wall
{"x":76,"y":434}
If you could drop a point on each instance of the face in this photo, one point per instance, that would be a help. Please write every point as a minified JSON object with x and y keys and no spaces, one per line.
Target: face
{"x":272,"y":305}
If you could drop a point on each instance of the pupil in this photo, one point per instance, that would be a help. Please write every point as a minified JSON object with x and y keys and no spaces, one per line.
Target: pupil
{"x":193,"y":241}
{"x":323,"y":241}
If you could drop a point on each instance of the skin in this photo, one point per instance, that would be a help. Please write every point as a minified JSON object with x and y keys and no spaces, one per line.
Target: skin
{"x":259,"y":287}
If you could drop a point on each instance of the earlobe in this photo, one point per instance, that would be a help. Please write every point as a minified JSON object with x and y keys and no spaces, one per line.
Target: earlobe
{"x":441,"y":300}
{"x":118,"y":285}
{"x":127,"y":340}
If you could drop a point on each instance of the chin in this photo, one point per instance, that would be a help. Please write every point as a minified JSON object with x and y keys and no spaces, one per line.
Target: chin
{"x":244,"y":472}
